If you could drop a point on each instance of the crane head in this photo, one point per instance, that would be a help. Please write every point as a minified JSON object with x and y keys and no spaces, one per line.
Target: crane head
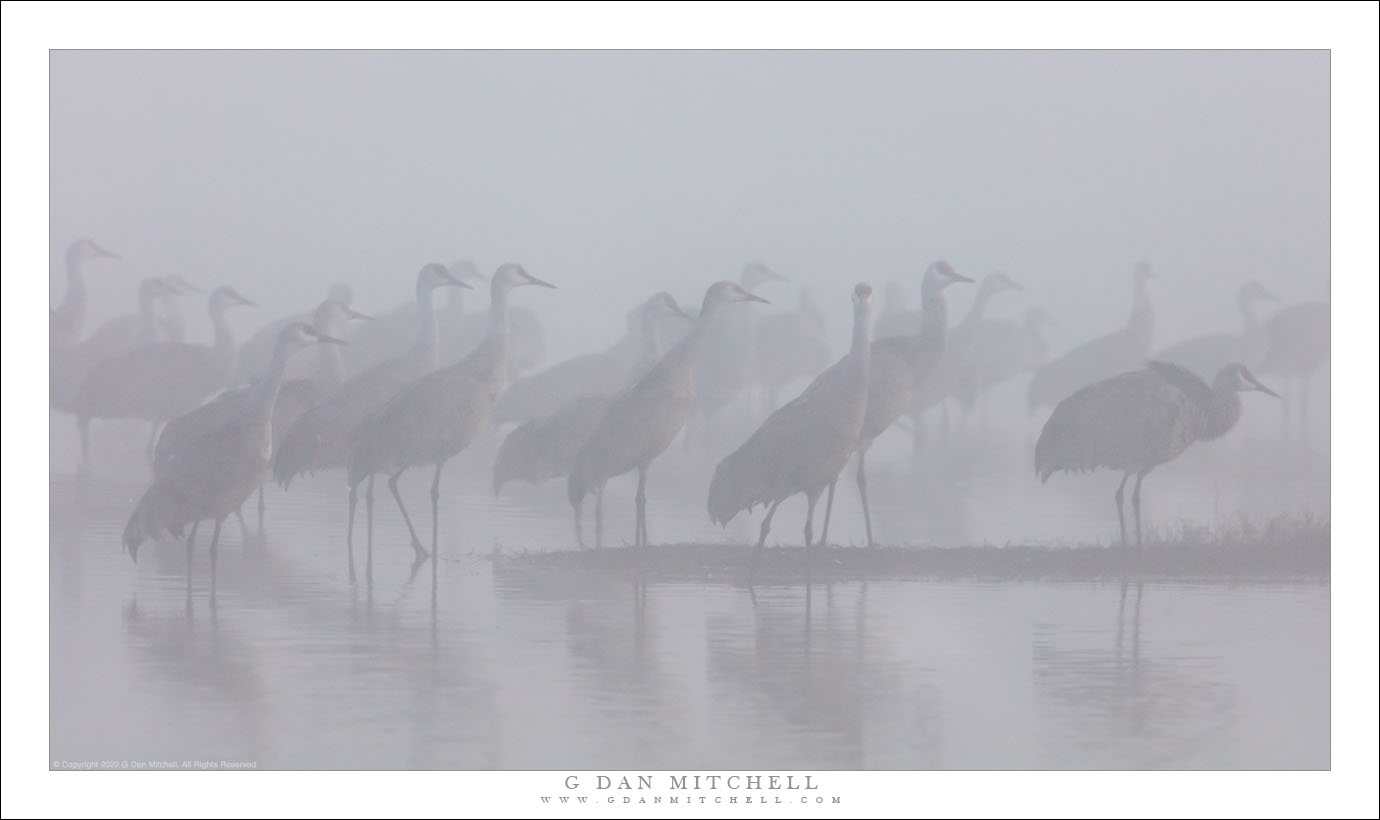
{"x":755,"y":273}
{"x":225,"y":296}
{"x":725,"y":292}
{"x":1245,"y":382}
{"x":512,"y":275}
{"x":945,"y":274}
{"x":999,"y":281}
{"x":1143,"y":272}
{"x":298,"y":335}
{"x":862,"y":296}
{"x":84,"y":249}
{"x":664,"y":304}
{"x":434,"y":275}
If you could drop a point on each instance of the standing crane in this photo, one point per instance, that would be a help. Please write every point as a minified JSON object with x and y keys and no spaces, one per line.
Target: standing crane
{"x":938,"y":386}
{"x":254,"y":355}
{"x":438,"y":415}
{"x":159,"y":381}
{"x":644,"y":419}
{"x":67,"y":321}
{"x":790,"y":346}
{"x":1100,"y":358}
{"x":1297,"y":340}
{"x":801,"y":447}
{"x":1137,"y":421}
{"x":320,"y":438}
{"x":899,"y":364}
{"x":546,"y":447}
{"x":1207,"y":354}
{"x":178,"y":441}
{"x":725,"y":366}
{"x":69,"y":365}
{"x":222,"y":466}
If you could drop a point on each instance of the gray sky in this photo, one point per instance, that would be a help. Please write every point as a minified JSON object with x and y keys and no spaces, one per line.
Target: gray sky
{"x":617,"y":173}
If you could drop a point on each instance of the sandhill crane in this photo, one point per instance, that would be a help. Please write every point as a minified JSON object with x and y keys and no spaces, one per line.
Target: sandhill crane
{"x":438,"y":415}
{"x":1207,"y":354}
{"x":526,"y":338}
{"x":394,"y":330}
{"x":546,"y":447}
{"x":935,"y":389}
{"x":69,"y":365}
{"x":899,"y":364}
{"x":532,"y":397}
{"x":1139,"y":420}
{"x":725,"y":365}
{"x":158,"y":381}
{"x":801,"y":447}
{"x":178,"y":440}
{"x":790,"y":346}
{"x":644,"y":419}
{"x":999,"y":350}
{"x":1297,"y":340}
{"x":256,"y":352}
{"x":173,"y":323}
{"x":67,"y":321}
{"x":320,"y":438}
{"x":224,"y":465}
{"x":1103,"y":357}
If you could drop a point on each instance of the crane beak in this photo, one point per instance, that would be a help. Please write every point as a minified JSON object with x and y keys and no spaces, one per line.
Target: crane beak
{"x":958,"y":277}
{"x":330,"y":340}
{"x":452,"y":280}
{"x":773,"y":275}
{"x":752,"y":297}
{"x":532,"y":280}
{"x":102,"y":253}
{"x":187,"y":286}
{"x":680,"y":311}
{"x":1258,"y":386}
{"x":354,"y":314}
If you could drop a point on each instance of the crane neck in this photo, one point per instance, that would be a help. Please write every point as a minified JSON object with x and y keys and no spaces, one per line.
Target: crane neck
{"x":426,"y":324}
{"x":1223,"y":409}
{"x":73,"y":305}
{"x":223,"y":341}
{"x":934,"y":318}
{"x":330,"y":368}
{"x":148,"y":319}
{"x":1141,"y":324}
{"x":490,"y":359}
{"x":264,"y":393}
{"x":652,"y":347}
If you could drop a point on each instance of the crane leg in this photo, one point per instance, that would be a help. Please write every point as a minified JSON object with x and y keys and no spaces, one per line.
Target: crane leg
{"x":641,"y":536}
{"x":1135,"y":503}
{"x":411,"y":530}
{"x":191,"y":541}
{"x":577,"y":509}
{"x":85,"y":425}
{"x":828,"y":508}
{"x":350,"y":530}
{"x":261,"y":508}
{"x":244,"y":528}
{"x":1120,"y":516}
{"x":599,"y":516}
{"x":762,"y":539}
{"x":810,"y":500}
{"x":369,"y":533}
{"x":862,"y":490}
{"x":435,"y":524}
{"x":215,"y":541}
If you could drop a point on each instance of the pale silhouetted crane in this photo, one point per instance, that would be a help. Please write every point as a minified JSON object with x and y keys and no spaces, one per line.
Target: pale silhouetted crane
{"x":67,"y":321}
{"x":935,"y":389}
{"x":394,"y":330}
{"x":159,"y":381}
{"x":69,"y":365}
{"x":801,"y":447}
{"x":1298,"y":339}
{"x":644,"y":419}
{"x":545,"y":448}
{"x":1000,"y":350}
{"x":221,"y":468}
{"x":320,"y":439}
{"x":1100,"y":358}
{"x":1137,"y":421}
{"x":438,"y":415}
{"x":899,"y":364}
{"x":179,"y":438}
{"x":790,"y":346}
{"x":257,"y":351}
{"x":726,"y":363}
{"x":1209,"y":353}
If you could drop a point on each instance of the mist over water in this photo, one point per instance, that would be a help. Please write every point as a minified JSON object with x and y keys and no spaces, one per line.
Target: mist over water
{"x":614,"y":175}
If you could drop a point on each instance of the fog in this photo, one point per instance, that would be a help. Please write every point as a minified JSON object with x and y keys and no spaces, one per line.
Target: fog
{"x":997,"y":623}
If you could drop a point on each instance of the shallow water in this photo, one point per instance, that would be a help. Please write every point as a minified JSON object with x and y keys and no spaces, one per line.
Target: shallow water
{"x":295,"y":667}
